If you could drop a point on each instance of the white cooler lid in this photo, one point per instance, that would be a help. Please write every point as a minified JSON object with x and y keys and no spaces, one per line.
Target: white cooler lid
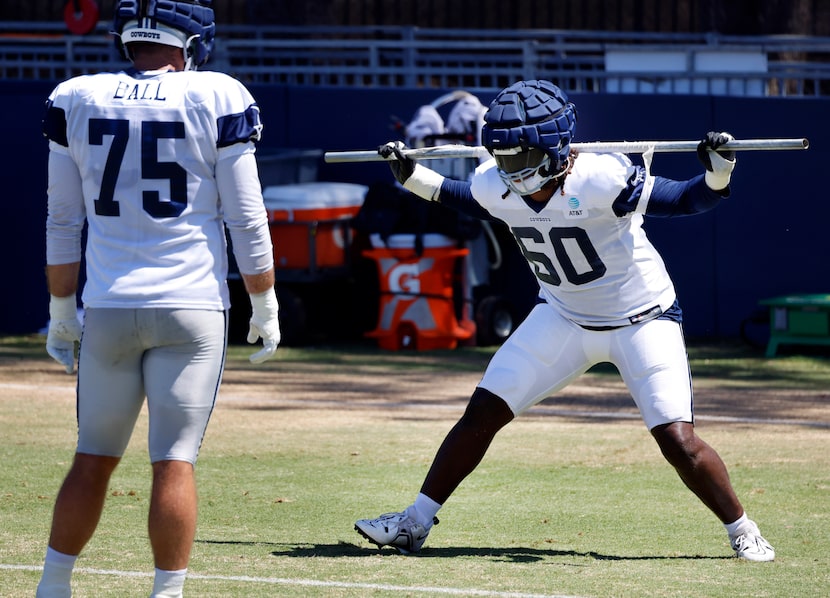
{"x":306,"y":196}
{"x":408,"y":241}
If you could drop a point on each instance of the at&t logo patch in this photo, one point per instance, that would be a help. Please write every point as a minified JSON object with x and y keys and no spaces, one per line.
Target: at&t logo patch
{"x":574,"y":209}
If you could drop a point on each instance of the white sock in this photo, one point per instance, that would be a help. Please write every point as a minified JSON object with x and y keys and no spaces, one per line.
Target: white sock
{"x":57,"y":573}
{"x":423,"y":510}
{"x":736,"y":527}
{"x":168,"y":584}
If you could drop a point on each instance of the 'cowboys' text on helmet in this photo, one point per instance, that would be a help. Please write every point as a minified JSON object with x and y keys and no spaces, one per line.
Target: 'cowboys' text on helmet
{"x":186,"y":24}
{"x":528,"y":129}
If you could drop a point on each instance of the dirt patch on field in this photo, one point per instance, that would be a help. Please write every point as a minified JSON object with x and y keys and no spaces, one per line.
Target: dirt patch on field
{"x":438,"y":386}
{"x":592,"y":396}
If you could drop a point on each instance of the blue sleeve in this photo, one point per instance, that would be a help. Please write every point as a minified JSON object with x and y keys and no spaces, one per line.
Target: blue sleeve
{"x":458,"y":195}
{"x":682,"y":198}
{"x":668,"y":197}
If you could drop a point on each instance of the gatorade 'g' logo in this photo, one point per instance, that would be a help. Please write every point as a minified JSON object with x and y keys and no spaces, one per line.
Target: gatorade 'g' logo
{"x":403,"y":278}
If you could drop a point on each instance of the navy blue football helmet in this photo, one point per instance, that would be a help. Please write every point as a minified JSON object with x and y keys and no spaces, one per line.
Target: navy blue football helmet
{"x":528,"y":129}
{"x":186,"y":24}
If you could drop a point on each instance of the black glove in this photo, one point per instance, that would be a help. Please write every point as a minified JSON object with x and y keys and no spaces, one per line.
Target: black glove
{"x":718,"y":164}
{"x":712,"y":142}
{"x":401,"y":166}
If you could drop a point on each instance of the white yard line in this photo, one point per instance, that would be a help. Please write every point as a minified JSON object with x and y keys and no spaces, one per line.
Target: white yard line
{"x":317,"y":583}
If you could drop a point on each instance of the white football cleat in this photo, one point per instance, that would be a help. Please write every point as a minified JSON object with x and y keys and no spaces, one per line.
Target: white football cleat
{"x":394,"y":529}
{"x":751,"y":545}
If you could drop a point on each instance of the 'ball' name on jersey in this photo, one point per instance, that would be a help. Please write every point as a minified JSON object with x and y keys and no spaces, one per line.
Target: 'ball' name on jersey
{"x":146,"y":90}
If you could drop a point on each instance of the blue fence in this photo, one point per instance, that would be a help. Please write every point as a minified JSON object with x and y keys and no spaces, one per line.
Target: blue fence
{"x":764,"y":241}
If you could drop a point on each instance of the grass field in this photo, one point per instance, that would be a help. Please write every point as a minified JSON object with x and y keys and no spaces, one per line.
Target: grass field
{"x":573,"y":498}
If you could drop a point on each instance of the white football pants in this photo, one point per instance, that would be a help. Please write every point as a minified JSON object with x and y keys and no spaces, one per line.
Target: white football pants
{"x":547,"y":352}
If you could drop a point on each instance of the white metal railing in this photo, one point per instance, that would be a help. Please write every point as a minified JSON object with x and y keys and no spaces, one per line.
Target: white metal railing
{"x":580,"y":61}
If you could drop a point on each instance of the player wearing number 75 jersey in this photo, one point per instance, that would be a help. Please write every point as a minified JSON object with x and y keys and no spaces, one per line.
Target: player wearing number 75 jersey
{"x":158,"y":160}
{"x":605,"y":296}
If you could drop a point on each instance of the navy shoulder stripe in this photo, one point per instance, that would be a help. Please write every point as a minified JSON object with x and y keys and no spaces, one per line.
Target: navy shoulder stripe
{"x":628,"y":199}
{"x":239,"y":128}
{"x":54,"y":124}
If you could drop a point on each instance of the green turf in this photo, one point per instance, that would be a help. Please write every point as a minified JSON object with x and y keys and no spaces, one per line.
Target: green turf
{"x":556,"y":508}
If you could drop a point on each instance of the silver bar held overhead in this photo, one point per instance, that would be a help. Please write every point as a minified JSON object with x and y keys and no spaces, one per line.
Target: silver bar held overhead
{"x":625,"y":147}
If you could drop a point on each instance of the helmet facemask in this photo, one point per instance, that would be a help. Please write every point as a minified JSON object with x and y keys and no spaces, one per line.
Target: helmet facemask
{"x":190,"y":51}
{"x":524,"y":171}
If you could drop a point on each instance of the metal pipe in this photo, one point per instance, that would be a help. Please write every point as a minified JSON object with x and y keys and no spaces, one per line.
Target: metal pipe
{"x":626,"y":147}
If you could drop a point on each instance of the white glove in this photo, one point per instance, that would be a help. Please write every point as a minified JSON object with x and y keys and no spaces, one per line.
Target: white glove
{"x":718,"y":164}
{"x":264,"y":324}
{"x":64,"y":331}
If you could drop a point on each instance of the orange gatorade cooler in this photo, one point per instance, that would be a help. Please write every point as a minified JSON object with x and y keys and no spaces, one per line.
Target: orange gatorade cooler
{"x":417,"y":307}
{"x":311,"y":222}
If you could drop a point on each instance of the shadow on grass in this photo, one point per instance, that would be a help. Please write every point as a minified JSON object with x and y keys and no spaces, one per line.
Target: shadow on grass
{"x":517,"y":554}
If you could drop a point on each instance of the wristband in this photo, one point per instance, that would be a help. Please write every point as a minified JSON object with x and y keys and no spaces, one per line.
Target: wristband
{"x":63,"y":308}
{"x":265,"y":302}
{"x":424,"y":182}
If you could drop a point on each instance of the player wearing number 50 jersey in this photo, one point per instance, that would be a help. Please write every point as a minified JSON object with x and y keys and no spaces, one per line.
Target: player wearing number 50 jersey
{"x":605,"y":296}
{"x":157,"y":160}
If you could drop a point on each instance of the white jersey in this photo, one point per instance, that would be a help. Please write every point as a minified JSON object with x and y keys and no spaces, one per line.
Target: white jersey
{"x":595,"y":267}
{"x":146,"y":148}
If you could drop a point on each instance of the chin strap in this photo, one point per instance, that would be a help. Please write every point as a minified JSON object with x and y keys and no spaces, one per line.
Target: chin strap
{"x":189,"y":51}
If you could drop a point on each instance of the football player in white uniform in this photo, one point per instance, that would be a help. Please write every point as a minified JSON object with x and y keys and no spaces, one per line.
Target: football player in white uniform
{"x":605,"y":296}
{"x":157,"y":160}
